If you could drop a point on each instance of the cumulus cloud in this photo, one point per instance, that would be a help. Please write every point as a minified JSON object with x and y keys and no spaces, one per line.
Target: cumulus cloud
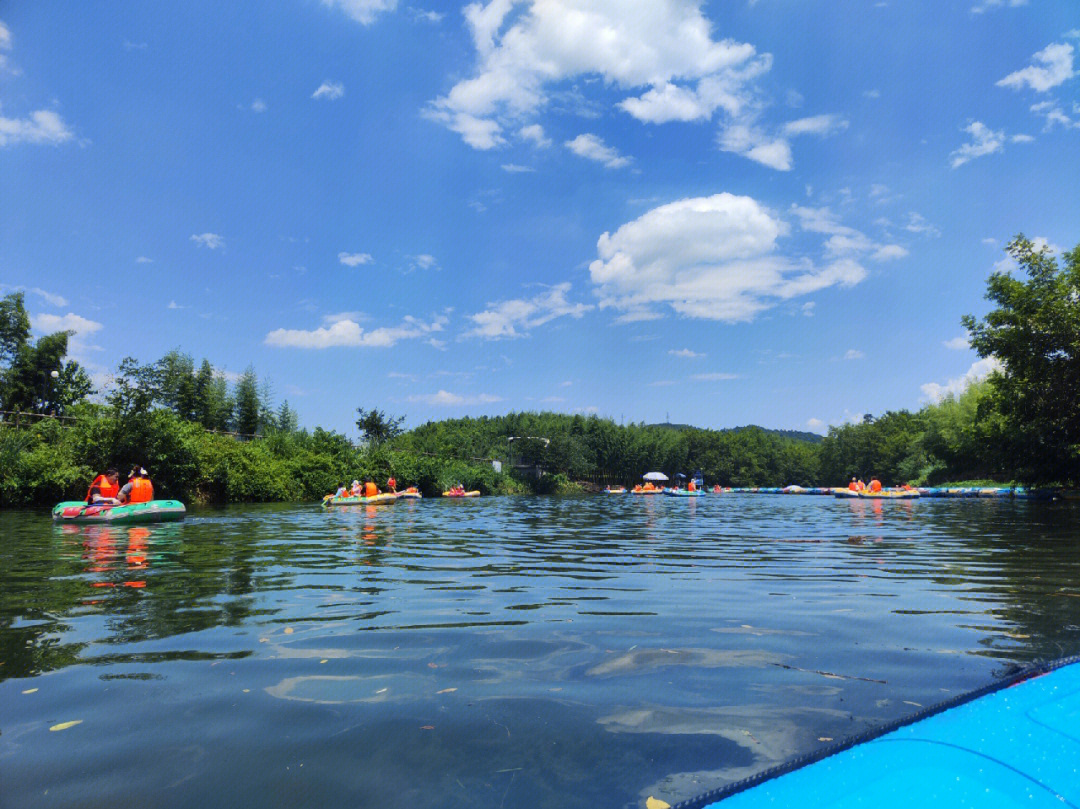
{"x":211,"y":241}
{"x":980,"y":369}
{"x":41,"y":127}
{"x":988,"y":4}
{"x":513,"y":318}
{"x":49,"y":297}
{"x":514,"y":168}
{"x":853,"y":354}
{"x":984,"y":141}
{"x":70,"y":322}
{"x":844,"y":240}
{"x":592,"y":147}
{"x":363,"y":11}
{"x":817,"y":425}
{"x":686,"y":353}
{"x":354,"y":259}
{"x":957,"y":343}
{"x":534,"y":133}
{"x":144,"y":260}
{"x":1054,"y":115}
{"x":1055,"y":66}
{"x":329,"y":90}
{"x":346,"y":332}
{"x":713,"y":258}
{"x":447,"y":399}
{"x":665,"y":46}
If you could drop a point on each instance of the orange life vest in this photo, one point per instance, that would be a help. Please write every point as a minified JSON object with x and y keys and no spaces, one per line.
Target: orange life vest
{"x":691,"y":486}
{"x":370,"y":489}
{"x":853,"y":486}
{"x":142,"y":490}
{"x":106,"y":488}
{"x":875,"y":485}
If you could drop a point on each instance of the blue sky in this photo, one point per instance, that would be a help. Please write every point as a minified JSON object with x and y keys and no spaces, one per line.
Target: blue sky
{"x":757,"y":211}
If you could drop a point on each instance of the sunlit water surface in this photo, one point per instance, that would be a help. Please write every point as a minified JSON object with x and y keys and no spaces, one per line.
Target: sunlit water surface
{"x":502,"y":652}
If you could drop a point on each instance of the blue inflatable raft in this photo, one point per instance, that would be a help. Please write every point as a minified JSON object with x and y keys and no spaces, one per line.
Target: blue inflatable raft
{"x":1015,"y":743}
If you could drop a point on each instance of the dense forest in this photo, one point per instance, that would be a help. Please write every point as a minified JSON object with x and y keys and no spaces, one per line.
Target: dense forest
{"x":205,"y":439}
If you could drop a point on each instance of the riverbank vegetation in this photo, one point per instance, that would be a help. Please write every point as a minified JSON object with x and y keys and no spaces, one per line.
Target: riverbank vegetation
{"x":206,"y":440}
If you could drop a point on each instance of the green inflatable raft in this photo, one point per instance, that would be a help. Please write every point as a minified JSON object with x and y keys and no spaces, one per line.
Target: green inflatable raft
{"x":77,"y":511}
{"x":377,"y":500}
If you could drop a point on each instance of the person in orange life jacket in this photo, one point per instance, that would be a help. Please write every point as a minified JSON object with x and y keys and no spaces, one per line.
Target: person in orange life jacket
{"x":138,"y":489}
{"x":691,"y":486}
{"x":391,"y":484}
{"x":370,"y":489}
{"x":859,"y":485}
{"x":875,"y":485}
{"x":853,"y":486}
{"x":104,"y":489}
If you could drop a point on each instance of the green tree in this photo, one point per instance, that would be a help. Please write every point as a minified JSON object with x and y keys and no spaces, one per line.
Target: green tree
{"x":248,"y":406}
{"x":377,"y":427}
{"x":177,"y":379}
{"x":1034,"y":333}
{"x":14,"y":327}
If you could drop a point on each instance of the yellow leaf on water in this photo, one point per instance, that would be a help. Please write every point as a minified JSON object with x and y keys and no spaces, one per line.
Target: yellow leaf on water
{"x":324,"y":660}
{"x":446,"y":691}
{"x":29,"y":690}
{"x":288,"y":630}
{"x":247,"y":690}
{"x":66,"y":725}
{"x":656,"y":803}
{"x":824,"y":738}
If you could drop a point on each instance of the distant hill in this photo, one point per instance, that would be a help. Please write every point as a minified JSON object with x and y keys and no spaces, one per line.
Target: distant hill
{"x":795,"y":435}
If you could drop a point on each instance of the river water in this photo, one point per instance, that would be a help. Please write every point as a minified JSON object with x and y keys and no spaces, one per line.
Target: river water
{"x":502,"y":652}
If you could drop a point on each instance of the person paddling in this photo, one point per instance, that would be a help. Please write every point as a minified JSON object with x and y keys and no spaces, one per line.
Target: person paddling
{"x":138,"y":489}
{"x":103,"y":490}
{"x":370,"y":489}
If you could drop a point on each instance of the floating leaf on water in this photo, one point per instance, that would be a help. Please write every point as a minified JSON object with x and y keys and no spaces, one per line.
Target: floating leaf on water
{"x":247,"y":690}
{"x":432,"y":665}
{"x":446,"y":691}
{"x":824,"y":738}
{"x":66,"y":725}
{"x":29,"y":690}
{"x":382,"y":690}
{"x":263,"y":640}
{"x":288,"y":630}
{"x":324,"y":660}
{"x":656,"y":803}
{"x":427,"y":727}
{"x":909,"y":702}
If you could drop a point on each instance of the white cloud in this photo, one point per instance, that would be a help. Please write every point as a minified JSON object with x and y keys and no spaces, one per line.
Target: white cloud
{"x":363,"y":11}
{"x":144,"y":260}
{"x":917,"y":224}
{"x":1054,"y":115}
{"x":844,"y":240}
{"x":592,"y":147}
{"x":49,"y":297}
{"x":986,"y":4}
{"x":713,"y":258}
{"x":1057,"y":68}
{"x":535,"y":133}
{"x":872,"y":93}
{"x":751,"y":142}
{"x":957,"y":343}
{"x":354,"y":259}
{"x":984,"y":141}
{"x":43,"y":126}
{"x":337,"y":317}
{"x":347,"y":332}
{"x":853,"y":354}
{"x":514,"y":168}
{"x":686,"y":353}
{"x":175,"y":305}
{"x":513,"y":318}
{"x":424,"y":261}
{"x":69,"y":322}
{"x":258,"y":105}
{"x":820,"y":125}
{"x":211,"y":241}
{"x":553,"y":399}
{"x":817,"y":425}
{"x":714,"y":377}
{"x":447,"y":399}
{"x":329,"y":90}
{"x":525,"y":49}
{"x":888,"y":252}
{"x":421,"y":15}
{"x":808,"y":308}
{"x":980,"y":369}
